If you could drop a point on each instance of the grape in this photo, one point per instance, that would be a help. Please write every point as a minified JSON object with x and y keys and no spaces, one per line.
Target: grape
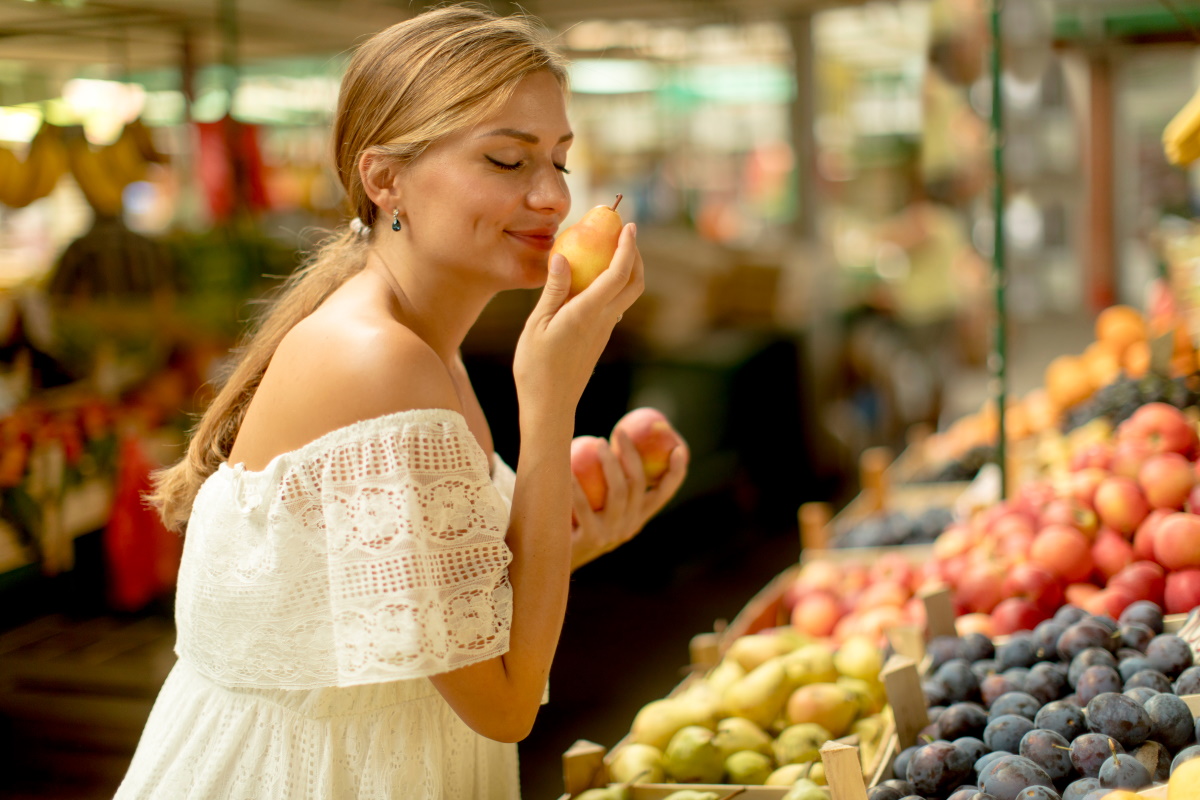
{"x":1065,"y":719}
{"x":937,"y":768}
{"x":1140,"y":694}
{"x":1171,"y":720}
{"x":972,"y":746}
{"x":1091,"y":657}
{"x":1049,"y":750}
{"x":1145,"y":612}
{"x":1045,"y":682}
{"x":941,"y":649}
{"x":993,"y":686}
{"x":1135,"y":635}
{"x":1169,"y":654}
{"x":882,"y":792}
{"x":1082,"y":635}
{"x":1089,"y":751}
{"x":1150,"y":678}
{"x":984,"y":668}
{"x":1186,"y":754}
{"x":1069,"y":614}
{"x":1120,"y":717}
{"x":1038,"y":793}
{"x":1132,"y":666}
{"x":1004,"y":732}
{"x":1009,"y":776}
{"x":1188,"y":681}
{"x":1018,"y":703}
{"x":900,"y":763}
{"x":1019,"y":651}
{"x":1121,"y":771}
{"x":1077,"y":789}
{"x":962,"y":719}
{"x":1095,"y":681}
{"x":960,"y":682}
{"x":977,"y":647}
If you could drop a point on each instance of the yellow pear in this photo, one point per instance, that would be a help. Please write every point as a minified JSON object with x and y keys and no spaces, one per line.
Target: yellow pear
{"x":1185,"y":781}
{"x":589,"y":244}
{"x":760,"y":696}
{"x":634,"y":762}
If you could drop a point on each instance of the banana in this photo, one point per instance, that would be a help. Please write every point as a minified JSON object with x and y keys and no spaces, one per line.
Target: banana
{"x":124,"y":159}
{"x":1181,"y":137}
{"x":140,"y":134}
{"x":91,"y":171}
{"x":51,"y":162}
{"x":12,"y":177}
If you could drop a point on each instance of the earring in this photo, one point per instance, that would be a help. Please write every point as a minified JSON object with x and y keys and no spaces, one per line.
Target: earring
{"x":395,"y":219}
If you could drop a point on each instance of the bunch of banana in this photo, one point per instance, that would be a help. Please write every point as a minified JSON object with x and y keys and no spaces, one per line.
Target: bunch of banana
{"x":103,"y":173}
{"x":1181,"y":137}
{"x":23,"y":181}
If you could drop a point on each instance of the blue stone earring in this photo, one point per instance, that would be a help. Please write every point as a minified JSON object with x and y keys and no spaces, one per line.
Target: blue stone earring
{"x":395,"y":219}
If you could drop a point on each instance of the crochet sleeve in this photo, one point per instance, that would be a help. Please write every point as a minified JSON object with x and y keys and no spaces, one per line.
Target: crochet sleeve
{"x":418,"y":565}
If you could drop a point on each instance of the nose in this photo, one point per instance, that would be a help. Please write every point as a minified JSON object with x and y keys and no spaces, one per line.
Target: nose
{"x":549,"y":192}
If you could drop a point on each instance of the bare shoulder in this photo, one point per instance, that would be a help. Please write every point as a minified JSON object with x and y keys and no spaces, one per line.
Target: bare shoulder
{"x":327,"y":374}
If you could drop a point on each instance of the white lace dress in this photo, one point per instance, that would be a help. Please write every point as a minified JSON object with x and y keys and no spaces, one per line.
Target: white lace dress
{"x":315,"y":599}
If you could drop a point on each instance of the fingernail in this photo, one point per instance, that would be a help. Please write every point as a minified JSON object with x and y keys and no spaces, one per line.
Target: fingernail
{"x":558,"y":264}
{"x":633,"y":229}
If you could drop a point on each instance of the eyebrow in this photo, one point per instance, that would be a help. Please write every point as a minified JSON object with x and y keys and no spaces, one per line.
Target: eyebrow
{"x":523,"y":135}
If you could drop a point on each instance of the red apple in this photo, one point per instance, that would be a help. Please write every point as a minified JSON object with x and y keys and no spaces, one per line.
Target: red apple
{"x":1081,"y":485}
{"x":1193,"y":500}
{"x":1078,"y":594}
{"x":1163,"y":427}
{"x":1177,"y":541}
{"x":980,"y":590}
{"x":1094,"y":455}
{"x":1072,"y":513}
{"x":1027,"y":581}
{"x":1034,"y":496}
{"x":817,"y":614}
{"x":1064,"y":551}
{"x":1015,"y":614}
{"x":1182,"y":592}
{"x":1128,"y":457}
{"x":1110,"y":601}
{"x":1143,"y":539}
{"x":1009,"y":522}
{"x":1111,"y":553}
{"x":1145,"y":580}
{"x":1166,"y":480}
{"x":893,"y":567}
{"x":585,"y":464}
{"x":955,"y":540}
{"x":1121,"y":504}
{"x":653,"y":438}
{"x":883,"y":593}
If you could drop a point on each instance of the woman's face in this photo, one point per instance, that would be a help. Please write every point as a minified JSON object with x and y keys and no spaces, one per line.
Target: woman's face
{"x":489,"y":200}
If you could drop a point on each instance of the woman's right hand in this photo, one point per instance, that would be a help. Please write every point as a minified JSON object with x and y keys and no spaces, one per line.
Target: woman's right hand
{"x":562,"y":340}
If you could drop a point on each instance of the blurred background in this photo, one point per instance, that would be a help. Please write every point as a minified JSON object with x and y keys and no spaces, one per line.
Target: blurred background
{"x":812,"y":181}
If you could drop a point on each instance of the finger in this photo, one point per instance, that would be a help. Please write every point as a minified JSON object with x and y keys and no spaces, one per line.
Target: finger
{"x":558,"y":286}
{"x":631,"y":461}
{"x":579,"y":503}
{"x":616,"y":500}
{"x":613,"y":280}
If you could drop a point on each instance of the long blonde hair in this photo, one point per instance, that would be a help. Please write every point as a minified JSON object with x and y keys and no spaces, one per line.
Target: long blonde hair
{"x":406,"y":87}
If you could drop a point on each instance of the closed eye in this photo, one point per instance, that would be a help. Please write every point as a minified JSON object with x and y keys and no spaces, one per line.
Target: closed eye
{"x":502,"y":165}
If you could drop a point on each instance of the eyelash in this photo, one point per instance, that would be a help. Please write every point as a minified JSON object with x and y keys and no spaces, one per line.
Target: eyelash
{"x":520,"y":164}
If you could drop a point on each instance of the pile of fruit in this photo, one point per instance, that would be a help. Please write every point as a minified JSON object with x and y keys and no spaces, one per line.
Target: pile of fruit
{"x":1078,"y":707}
{"x":890,"y":528}
{"x":845,"y":599}
{"x":760,"y":716}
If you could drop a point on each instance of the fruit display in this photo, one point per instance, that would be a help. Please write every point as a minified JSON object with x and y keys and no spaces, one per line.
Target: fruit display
{"x":1082,"y":705}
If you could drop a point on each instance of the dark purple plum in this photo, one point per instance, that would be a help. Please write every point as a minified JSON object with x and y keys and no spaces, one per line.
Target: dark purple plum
{"x":1097,"y":680}
{"x":972,"y":746}
{"x":977,"y":647}
{"x":1169,"y":654}
{"x":962,"y":719}
{"x":1065,"y":719}
{"x":1151,"y":679}
{"x":1045,"y":636}
{"x":1188,"y":681}
{"x":1136,"y":636}
{"x":983,"y":668}
{"x":1083,"y":786}
{"x":1009,"y":776}
{"x":1005,"y":732}
{"x":936,"y":693}
{"x":1091,"y":657}
{"x":937,"y":768}
{"x":1069,"y":614}
{"x":1132,"y":666}
{"x":1082,"y":635}
{"x":941,"y":649}
{"x":987,"y":759}
{"x":1106,"y":621}
{"x":1089,"y":752}
{"x":900,"y":763}
{"x":1049,"y":750}
{"x":1120,"y":717}
{"x":882,"y":792}
{"x":1019,"y":703}
{"x":1038,"y":793}
{"x":904,"y":787}
{"x":1045,"y":682}
{"x":1140,"y":693}
{"x":1019,"y":651}
{"x":1171,"y":721}
{"x":960,"y":682}
{"x":1123,"y":771}
{"x":1017,"y":675}
{"x":1144,"y":612}
{"x":994,"y":686}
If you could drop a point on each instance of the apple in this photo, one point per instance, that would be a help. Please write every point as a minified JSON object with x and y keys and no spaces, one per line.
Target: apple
{"x":1182,"y":591}
{"x":1064,"y":551}
{"x":1145,"y":580}
{"x":817,"y":614}
{"x":1034,"y":496}
{"x":1166,"y":480}
{"x":1078,"y":594}
{"x":1081,"y":486}
{"x":980,"y":590}
{"x":1128,"y":457}
{"x":1094,"y":455}
{"x":975,"y":623}
{"x":1193,"y":499}
{"x":1177,"y":541}
{"x":955,"y":540}
{"x":1110,"y":601}
{"x":1111,"y":553}
{"x":1016,"y":614}
{"x":1143,"y":539}
{"x":883,"y":593}
{"x":585,"y":464}
{"x":1163,"y":427}
{"x":893,"y":567}
{"x":821,"y":575}
{"x":1072,"y":513}
{"x":1027,"y":581}
{"x":652,"y":437}
{"x":1121,"y":504}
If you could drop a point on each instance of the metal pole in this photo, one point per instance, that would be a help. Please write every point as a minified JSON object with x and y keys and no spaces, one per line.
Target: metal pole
{"x":999,"y":357}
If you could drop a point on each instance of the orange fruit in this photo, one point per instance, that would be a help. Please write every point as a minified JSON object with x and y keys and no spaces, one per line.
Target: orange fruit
{"x":1137,"y":359}
{"x":1103,"y":362}
{"x":1068,"y":381}
{"x":1120,"y":326}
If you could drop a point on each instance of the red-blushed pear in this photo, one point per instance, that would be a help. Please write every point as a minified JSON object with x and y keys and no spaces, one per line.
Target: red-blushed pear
{"x":585,"y":463}
{"x":653,"y":438}
{"x":1097,"y":455}
{"x":1027,"y":581}
{"x":1081,"y":486}
{"x":1111,"y":553}
{"x":1121,"y":504}
{"x":1072,"y":513}
{"x":817,"y":614}
{"x":1128,"y":456}
{"x":1166,"y":480}
{"x":1183,"y":591}
{"x":1177,"y":541}
{"x":1078,"y":594}
{"x":589,"y":244}
{"x":1143,"y":539}
{"x":1145,"y":580}
{"x":981,"y":587}
{"x":1015,"y":614}
{"x":1163,"y":427}
{"x":1063,"y":551}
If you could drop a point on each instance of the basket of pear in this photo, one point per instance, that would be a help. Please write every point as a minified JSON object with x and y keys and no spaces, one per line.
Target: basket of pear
{"x":759,"y":718}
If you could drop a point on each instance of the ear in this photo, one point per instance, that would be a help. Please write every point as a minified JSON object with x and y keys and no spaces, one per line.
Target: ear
{"x":380,"y":179}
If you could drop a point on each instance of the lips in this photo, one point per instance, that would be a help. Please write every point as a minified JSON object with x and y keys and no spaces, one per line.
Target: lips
{"x":539,"y":238}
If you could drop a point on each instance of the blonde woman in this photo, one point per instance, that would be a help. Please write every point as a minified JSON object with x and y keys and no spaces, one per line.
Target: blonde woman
{"x":370,"y":600}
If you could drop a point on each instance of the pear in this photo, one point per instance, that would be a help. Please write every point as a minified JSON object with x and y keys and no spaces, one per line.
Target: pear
{"x":812,"y":663}
{"x":817,"y":774}
{"x":748,"y":768}
{"x":871,"y":695}
{"x":607,"y":793}
{"x":800,"y":743}
{"x":735,"y":734}
{"x":724,"y":674}
{"x":805,"y":789}
{"x":691,"y":756}
{"x":702,"y":704}
{"x":754,"y":649}
{"x":636,"y":762}
{"x":869,"y":731}
{"x":786,"y":775}
{"x":759,"y":697}
{"x":692,"y":794}
{"x":859,"y":657}
{"x":658,"y":720}
{"x":589,"y":244}
{"x":831,"y":706}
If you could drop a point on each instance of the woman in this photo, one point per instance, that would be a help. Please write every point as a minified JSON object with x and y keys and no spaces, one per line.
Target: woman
{"x":370,"y":600}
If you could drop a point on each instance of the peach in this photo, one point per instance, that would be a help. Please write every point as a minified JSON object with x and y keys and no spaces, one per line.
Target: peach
{"x":653,"y":438}
{"x":1064,"y":551}
{"x":1121,"y":504}
{"x":1097,"y":455}
{"x":1177,"y":541}
{"x":1166,"y":480}
{"x":585,"y":464}
{"x":980,"y":590}
{"x":1182,"y":591}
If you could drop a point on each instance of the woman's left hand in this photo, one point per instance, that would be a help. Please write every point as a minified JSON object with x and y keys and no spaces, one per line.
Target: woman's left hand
{"x":628,"y":504}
